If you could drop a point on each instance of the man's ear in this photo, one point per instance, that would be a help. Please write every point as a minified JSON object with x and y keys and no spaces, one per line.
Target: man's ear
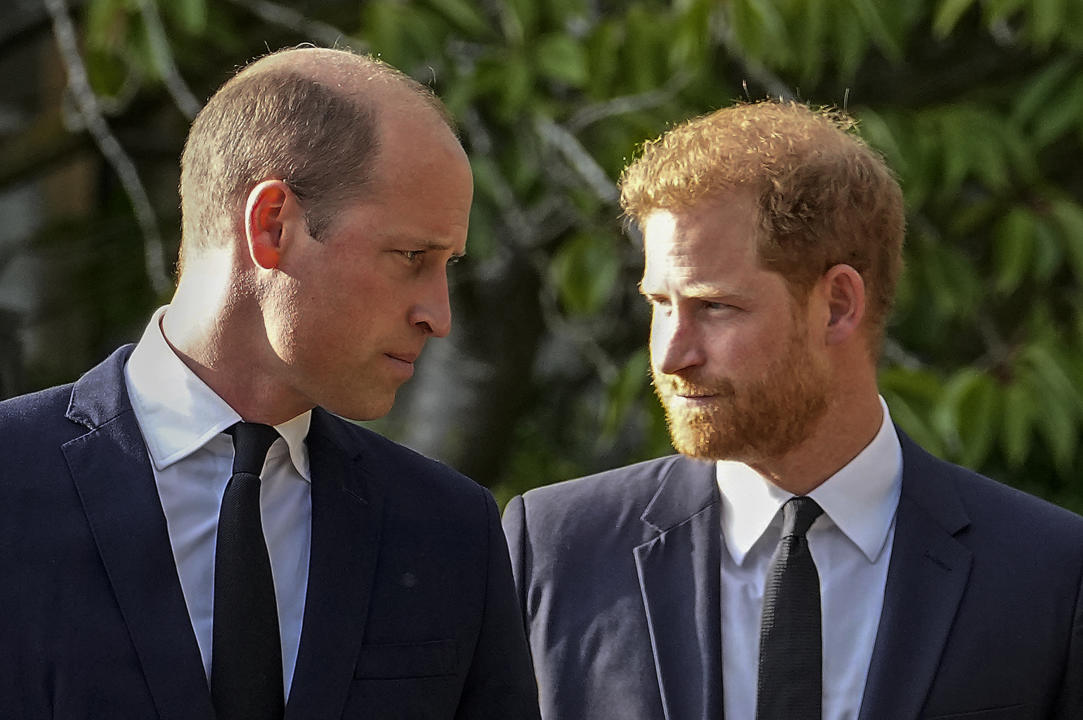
{"x":270,"y":214}
{"x":845,"y":293}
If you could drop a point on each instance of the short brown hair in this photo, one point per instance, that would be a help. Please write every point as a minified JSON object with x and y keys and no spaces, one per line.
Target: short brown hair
{"x":825,"y":197}
{"x":278,"y":122}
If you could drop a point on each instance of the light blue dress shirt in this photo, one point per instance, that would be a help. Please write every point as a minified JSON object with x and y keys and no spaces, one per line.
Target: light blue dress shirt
{"x":851,"y":545}
{"x":182,"y":422}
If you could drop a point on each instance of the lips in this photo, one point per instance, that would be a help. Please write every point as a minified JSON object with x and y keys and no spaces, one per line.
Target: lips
{"x":695,"y":398}
{"x":406,"y":357}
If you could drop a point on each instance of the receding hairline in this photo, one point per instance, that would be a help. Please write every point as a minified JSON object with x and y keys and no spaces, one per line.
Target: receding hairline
{"x":364,"y":79}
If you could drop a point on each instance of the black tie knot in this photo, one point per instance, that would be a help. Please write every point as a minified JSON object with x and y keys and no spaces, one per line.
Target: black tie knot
{"x":798,"y":514}
{"x":251,"y":441}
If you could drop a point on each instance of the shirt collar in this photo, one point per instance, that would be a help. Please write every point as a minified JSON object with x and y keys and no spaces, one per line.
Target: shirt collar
{"x":179,"y":414}
{"x":860,"y":498}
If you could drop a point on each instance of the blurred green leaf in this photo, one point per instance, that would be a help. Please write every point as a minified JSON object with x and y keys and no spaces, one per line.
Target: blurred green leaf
{"x":1069,"y":216}
{"x":1014,"y":240}
{"x":562,"y":58}
{"x":947,"y":15}
{"x":878,"y":134}
{"x":519,"y":19}
{"x":1046,"y":20}
{"x":692,"y":34}
{"x":645,"y":48}
{"x":1060,"y":114}
{"x":979,"y":413}
{"x":759,"y":29}
{"x":191,"y":15}
{"x":851,"y":41}
{"x":1049,"y":370}
{"x":625,"y":391}
{"x":1056,"y":426}
{"x":920,"y":386}
{"x":812,"y":39}
{"x":913,"y":423}
{"x":585,"y":270}
{"x":464,"y":17}
{"x":1048,"y":251}
{"x":1041,"y":89}
{"x":967,"y":414}
{"x":106,"y":24}
{"x":873,"y":22}
{"x":955,"y":134}
{"x":999,"y":10}
{"x":1016,"y":433}
{"x":603,"y":58}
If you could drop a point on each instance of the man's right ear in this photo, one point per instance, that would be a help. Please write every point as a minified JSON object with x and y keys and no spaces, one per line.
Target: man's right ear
{"x":269,"y":214}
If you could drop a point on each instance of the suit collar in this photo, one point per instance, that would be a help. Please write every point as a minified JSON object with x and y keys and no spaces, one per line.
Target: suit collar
{"x":112,"y":475}
{"x":100,"y":395}
{"x":680,"y":584}
{"x":926,"y":579}
{"x":928,"y":482}
{"x":687,"y":487}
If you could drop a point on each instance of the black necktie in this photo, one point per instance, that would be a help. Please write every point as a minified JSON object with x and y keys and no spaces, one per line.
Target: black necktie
{"x":790,"y":678}
{"x":246,"y":660}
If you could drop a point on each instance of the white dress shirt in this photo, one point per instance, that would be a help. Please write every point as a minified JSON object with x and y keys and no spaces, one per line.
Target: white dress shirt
{"x":182,"y":422}
{"x":851,"y":545}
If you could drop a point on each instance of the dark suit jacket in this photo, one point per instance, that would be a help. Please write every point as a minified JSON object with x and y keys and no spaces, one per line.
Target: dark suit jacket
{"x":410,"y":611}
{"x":619,"y":579}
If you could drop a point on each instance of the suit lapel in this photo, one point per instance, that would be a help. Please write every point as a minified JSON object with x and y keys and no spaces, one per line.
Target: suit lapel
{"x":926,"y":579}
{"x":112,"y":475}
{"x":346,"y":521}
{"x":679,"y":579}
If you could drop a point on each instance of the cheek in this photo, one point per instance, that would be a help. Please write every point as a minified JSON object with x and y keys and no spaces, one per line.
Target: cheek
{"x":281,"y":318}
{"x":659,"y":336}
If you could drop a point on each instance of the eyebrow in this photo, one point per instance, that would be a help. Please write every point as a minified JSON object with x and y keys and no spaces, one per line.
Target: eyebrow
{"x":429,"y":244}
{"x":697,"y":291}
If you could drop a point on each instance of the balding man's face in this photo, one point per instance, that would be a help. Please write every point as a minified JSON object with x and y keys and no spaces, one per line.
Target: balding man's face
{"x":351,"y":313}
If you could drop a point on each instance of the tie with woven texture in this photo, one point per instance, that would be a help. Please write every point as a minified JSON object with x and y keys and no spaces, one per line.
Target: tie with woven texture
{"x":246,"y":660}
{"x":790,"y":676}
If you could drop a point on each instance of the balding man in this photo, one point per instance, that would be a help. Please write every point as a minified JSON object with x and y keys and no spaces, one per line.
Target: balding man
{"x":189,"y":530}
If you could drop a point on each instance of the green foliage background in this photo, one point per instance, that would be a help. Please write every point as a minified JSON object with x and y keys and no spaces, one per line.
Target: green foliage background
{"x":978,"y":106}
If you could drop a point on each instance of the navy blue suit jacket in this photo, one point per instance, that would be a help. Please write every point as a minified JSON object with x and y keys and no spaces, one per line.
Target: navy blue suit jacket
{"x":619,"y":580}
{"x":410,"y":610}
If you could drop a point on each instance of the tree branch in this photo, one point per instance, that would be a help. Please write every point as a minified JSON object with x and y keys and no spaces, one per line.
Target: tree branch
{"x":287,"y":17}
{"x":577,"y":158}
{"x":110,"y":148}
{"x":159,"y":45}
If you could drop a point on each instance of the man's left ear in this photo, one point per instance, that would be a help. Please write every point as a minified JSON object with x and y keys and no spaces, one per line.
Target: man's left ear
{"x":271,"y":213}
{"x":845,"y":292}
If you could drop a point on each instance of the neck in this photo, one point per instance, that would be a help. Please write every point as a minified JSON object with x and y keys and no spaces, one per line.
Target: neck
{"x":847,"y":427}
{"x":215,"y":326}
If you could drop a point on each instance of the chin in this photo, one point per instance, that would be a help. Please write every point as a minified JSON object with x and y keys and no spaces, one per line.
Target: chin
{"x":363,"y":409}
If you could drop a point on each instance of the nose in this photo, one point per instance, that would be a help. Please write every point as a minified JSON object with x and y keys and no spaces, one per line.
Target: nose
{"x":676,"y":342}
{"x":432,"y":312}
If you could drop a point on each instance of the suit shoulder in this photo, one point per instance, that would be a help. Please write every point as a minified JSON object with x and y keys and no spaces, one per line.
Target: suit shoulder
{"x":614,"y":499}
{"x":993,"y":504}
{"x":1016,"y":509}
{"x":408,"y":470}
{"x":34,"y":412}
{"x":615,"y":485}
